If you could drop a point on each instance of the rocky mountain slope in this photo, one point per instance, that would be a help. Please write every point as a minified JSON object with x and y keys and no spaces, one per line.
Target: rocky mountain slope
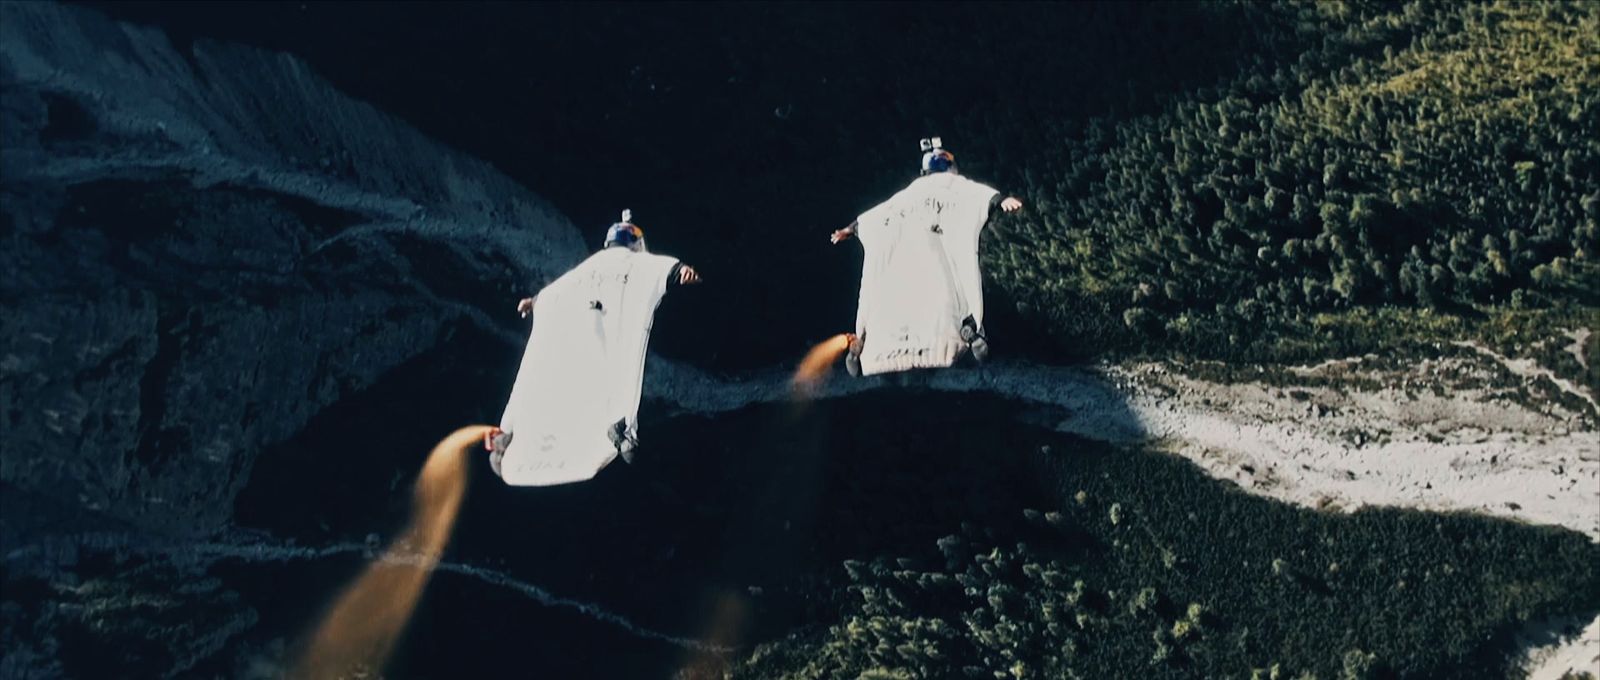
{"x":205,"y":249}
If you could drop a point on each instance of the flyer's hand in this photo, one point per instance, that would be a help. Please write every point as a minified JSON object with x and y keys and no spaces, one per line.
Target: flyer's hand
{"x":841,"y":235}
{"x":687,"y":275}
{"x":525,"y":307}
{"x":1011,"y":204}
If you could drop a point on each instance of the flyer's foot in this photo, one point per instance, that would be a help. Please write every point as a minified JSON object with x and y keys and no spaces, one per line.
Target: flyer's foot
{"x":852,"y":357}
{"x":618,"y":433}
{"x":496,"y":441}
{"x":980,"y":349}
{"x":978,"y":344}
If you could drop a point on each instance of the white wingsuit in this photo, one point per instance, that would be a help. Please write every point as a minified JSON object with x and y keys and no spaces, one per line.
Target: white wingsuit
{"x":575,"y":404}
{"x":920,"y":278}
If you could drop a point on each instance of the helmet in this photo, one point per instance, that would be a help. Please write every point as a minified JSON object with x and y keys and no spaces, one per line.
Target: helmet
{"x":625,"y":233}
{"x":935,"y":158}
{"x":938,"y":160}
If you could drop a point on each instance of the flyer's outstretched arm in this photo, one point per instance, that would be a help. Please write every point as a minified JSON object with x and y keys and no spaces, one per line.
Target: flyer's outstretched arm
{"x":1008,"y":204}
{"x":842,"y":235}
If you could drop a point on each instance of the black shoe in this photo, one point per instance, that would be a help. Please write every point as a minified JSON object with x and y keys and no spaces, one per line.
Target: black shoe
{"x":978,"y":344}
{"x":980,"y":349}
{"x":497,"y":451}
{"x":852,"y":357}
{"x":618,"y":433}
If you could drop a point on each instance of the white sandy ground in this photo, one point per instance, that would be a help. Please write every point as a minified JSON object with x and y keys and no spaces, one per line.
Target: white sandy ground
{"x":1337,"y":436}
{"x":1457,"y":451}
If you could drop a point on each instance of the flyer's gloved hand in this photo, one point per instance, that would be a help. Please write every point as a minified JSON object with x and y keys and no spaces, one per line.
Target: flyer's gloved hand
{"x":525,"y":307}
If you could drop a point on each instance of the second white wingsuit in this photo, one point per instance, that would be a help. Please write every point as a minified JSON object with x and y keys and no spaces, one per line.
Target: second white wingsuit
{"x":574,"y":407}
{"x":921,"y":302}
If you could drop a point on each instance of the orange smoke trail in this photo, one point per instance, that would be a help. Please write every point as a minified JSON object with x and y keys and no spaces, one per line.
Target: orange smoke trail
{"x":814,"y":369}
{"x":360,"y":631}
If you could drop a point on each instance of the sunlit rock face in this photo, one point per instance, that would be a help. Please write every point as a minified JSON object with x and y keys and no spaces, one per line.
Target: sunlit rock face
{"x":203,"y":250}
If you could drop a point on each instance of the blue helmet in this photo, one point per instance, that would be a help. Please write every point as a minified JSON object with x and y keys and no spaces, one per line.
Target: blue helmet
{"x":938,"y":160}
{"x":935,"y":158}
{"x":625,"y":233}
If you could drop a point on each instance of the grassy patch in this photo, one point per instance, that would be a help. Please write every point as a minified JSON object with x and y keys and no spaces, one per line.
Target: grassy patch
{"x":1401,"y":173}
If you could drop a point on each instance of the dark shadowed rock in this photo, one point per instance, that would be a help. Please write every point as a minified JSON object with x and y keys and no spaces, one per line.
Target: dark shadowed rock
{"x":205,"y":249}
